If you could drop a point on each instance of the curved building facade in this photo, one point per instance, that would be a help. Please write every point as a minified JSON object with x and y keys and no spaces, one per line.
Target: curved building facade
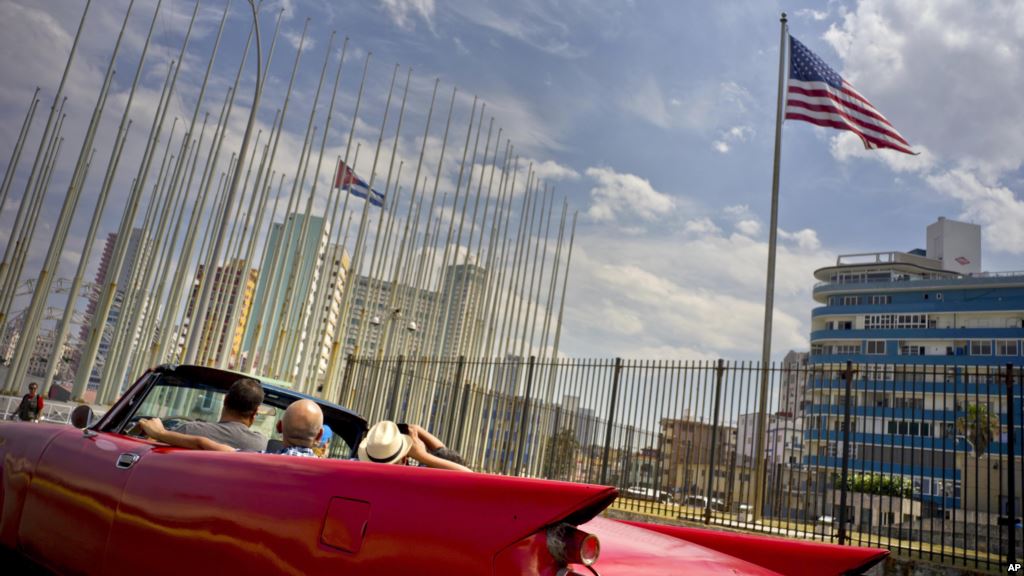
{"x":928,"y":338}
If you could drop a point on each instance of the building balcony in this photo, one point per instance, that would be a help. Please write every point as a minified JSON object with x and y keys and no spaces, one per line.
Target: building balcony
{"x":908,"y":283}
{"x":920,"y":334}
{"x":918,"y":414}
{"x":930,"y":306}
{"x":921,"y":360}
{"x":908,"y":384}
{"x":958,"y":444}
{"x":901,"y":468}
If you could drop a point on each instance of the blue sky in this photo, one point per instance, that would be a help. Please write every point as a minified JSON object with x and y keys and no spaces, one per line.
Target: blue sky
{"x":655,"y":119}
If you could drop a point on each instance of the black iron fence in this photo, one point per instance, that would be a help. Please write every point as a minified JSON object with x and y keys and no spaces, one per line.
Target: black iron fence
{"x":921,"y":459}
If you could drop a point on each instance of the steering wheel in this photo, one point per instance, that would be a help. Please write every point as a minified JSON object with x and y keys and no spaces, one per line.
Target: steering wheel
{"x":132,"y":427}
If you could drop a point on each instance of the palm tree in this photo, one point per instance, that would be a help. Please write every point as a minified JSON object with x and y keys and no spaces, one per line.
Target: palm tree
{"x":979,"y":425}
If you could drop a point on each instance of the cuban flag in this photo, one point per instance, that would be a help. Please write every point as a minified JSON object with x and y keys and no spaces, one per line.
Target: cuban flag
{"x":346,"y":178}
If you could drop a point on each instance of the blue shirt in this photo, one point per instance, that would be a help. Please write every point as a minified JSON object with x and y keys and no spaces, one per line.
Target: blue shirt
{"x":295,"y":451}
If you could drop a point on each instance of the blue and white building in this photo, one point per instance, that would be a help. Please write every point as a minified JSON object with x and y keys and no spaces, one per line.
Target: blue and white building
{"x":929,"y":335}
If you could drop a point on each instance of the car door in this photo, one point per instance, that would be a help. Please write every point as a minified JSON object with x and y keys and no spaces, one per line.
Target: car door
{"x":73,"y":498}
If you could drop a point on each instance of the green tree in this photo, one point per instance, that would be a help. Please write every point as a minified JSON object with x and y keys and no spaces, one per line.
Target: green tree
{"x":979,"y":425}
{"x":562,"y":450}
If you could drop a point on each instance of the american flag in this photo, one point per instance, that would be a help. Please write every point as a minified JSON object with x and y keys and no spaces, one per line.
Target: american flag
{"x":346,"y":178}
{"x":817,"y":94}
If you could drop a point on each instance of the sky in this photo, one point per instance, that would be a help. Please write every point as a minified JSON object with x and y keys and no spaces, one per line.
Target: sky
{"x":654,"y":119}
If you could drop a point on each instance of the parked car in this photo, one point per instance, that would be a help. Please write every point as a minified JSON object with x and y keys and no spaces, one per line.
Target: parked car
{"x":102,"y":499}
{"x":702,"y":502}
{"x":648,"y":494}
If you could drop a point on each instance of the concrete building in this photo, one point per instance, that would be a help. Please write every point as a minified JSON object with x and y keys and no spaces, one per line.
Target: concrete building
{"x":689,"y":456}
{"x":277,"y":334}
{"x":793,"y":396}
{"x":330,"y":291}
{"x":101,"y":280}
{"x":377,"y":315}
{"x":460,"y":296}
{"x":232,"y":286}
{"x":928,"y":335}
{"x":417,"y":320}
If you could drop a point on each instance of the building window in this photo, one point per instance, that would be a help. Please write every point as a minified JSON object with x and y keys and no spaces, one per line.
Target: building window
{"x":895,"y":321}
{"x":909,"y":428}
{"x":881,"y":299}
{"x":906,"y":350}
{"x":875,"y":347}
{"x":851,"y":300}
{"x":981,"y":347}
{"x":846,"y":349}
{"x":1007,"y":348}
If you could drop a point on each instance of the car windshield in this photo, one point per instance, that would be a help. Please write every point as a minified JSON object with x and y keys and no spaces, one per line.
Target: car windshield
{"x":175,"y":400}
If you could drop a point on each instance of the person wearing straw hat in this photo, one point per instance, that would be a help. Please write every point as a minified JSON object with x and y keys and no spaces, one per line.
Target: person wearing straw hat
{"x":385,"y":443}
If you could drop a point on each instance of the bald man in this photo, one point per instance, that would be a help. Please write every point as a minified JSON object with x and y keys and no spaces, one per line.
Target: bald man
{"x":301,"y":428}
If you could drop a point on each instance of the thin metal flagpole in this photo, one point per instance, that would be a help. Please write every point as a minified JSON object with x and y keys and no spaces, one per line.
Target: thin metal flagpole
{"x":32,"y":201}
{"x":19,"y":145}
{"x":30,"y":329}
{"x":127,"y":219}
{"x":255,"y":336}
{"x":422,"y":277}
{"x":218,"y":245}
{"x":43,"y":143}
{"x":769,"y":294}
{"x":470,"y":337}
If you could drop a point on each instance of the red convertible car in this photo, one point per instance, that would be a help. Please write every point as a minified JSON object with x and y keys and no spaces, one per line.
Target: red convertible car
{"x":105,"y":500}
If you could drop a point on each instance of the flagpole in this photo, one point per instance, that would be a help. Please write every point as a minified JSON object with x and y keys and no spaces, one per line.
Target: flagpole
{"x":769,"y":296}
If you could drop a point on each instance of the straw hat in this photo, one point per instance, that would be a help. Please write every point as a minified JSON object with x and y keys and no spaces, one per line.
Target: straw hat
{"x":384,"y":444}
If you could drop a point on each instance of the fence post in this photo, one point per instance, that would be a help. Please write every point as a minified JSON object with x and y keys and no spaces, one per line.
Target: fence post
{"x":346,"y":379}
{"x":396,"y":388}
{"x":1011,"y":525}
{"x":611,"y":420}
{"x":719,"y":376}
{"x":524,"y":416}
{"x":848,"y":382}
{"x":464,"y":405}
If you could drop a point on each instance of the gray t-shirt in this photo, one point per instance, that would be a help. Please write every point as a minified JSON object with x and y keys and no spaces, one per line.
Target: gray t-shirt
{"x":234,"y":434}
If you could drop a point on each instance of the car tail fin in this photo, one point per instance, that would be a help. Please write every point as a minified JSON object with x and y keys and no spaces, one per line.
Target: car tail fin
{"x":785,"y":556}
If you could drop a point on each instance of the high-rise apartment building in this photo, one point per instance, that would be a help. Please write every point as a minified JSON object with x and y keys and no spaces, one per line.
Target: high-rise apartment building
{"x":298,"y":267}
{"x":929,"y":336}
{"x":102,"y":278}
{"x":401,"y":319}
{"x":233,"y":286}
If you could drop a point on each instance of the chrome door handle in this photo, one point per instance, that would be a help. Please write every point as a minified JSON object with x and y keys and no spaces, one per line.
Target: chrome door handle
{"x":127,"y":460}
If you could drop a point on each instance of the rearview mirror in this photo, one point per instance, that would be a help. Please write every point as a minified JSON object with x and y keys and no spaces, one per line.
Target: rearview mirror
{"x":82,"y":417}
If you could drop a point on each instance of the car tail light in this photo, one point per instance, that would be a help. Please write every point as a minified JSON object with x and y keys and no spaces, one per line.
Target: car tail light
{"x":570,"y":545}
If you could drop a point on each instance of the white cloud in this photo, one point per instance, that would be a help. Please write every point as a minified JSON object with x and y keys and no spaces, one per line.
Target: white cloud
{"x":295,"y":38}
{"x":810,"y":13}
{"x":403,"y":12}
{"x":995,"y":207}
{"x":701,"y":226}
{"x":941,"y":73}
{"x":748,"y":227}
{"x":551,"y":170}
{"x":703,"y":298}
{"x":618,"y":195}
{"x":645,"y":99}
{"x":845,"y":146}
{"x":732,"y":135}
{"x":806,"y":239}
